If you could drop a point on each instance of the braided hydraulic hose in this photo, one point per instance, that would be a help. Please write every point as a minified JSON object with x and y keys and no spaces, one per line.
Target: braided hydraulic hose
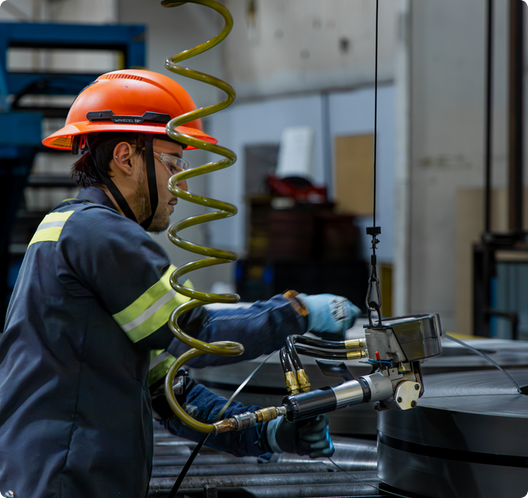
{"x":222,"y":210}
{"x":318,"y":348}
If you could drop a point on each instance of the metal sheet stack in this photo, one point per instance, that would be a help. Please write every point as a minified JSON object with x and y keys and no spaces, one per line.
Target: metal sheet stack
{"x":466,"y":438}
{"x":216,"y":474}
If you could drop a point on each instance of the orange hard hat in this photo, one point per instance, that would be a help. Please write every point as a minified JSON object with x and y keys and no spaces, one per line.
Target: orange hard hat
{"x":131,"y":100}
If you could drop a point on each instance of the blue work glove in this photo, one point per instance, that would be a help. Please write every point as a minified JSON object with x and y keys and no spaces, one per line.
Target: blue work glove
{"x":328,"y":315}
{"x":306,"y":437}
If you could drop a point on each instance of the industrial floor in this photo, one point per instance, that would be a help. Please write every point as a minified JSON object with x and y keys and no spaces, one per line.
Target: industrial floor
{"x":216,"y":474}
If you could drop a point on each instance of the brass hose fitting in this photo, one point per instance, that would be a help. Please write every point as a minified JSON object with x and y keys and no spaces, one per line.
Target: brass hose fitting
{"x":355,"y":344}
{"x":291,"y":383}
{"x":304,"y":381}
{"x":245,"y":420}
{"x":356,"y":355}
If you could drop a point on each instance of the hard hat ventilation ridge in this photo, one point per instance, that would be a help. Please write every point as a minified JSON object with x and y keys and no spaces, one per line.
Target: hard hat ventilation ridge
{"x":122,"y":76}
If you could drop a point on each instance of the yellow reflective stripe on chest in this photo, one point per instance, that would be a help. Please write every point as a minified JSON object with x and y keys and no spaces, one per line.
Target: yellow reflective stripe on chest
{"x":51,"y":227}
{"x":151,"y":310}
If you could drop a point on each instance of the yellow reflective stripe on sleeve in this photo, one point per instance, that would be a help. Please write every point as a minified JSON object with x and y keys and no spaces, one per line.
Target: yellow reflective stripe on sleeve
{"x":156,"y":356}
{"x":160,"y":363}
{"x":51,"y":227}
{"x":151,"y":310}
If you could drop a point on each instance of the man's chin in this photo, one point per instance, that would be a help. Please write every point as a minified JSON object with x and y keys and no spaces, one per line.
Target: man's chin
{"x":158,"y":225}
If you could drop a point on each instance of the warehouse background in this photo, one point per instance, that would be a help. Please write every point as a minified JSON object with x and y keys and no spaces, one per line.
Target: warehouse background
{"x":311,"y":63}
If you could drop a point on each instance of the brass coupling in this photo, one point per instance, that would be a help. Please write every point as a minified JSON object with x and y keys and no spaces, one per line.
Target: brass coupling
{"x":291,"y":382}
{"x":355,"y":344}
{"x":356,"y":355}
{"x":245,"y":420}
{"x":304,"y":381}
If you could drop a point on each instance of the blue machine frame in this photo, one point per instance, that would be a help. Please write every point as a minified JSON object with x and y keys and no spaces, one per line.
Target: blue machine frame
{"x":129,"y":39}
{"x":21,"y":127}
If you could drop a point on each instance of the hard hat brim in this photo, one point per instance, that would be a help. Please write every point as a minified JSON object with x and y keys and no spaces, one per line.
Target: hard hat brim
{"x":63,"y":138}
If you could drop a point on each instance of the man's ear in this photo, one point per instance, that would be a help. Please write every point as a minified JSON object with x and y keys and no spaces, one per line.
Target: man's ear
{"x":121,"y":158}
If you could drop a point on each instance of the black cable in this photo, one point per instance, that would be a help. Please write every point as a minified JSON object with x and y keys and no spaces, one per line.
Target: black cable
{"x":357,"y":479}
{"x":309,"y":346}
{"x":373,"y":299}
{"x":186,"y":467}
{"x":190,"y":460}
{"x":375,"y":116}
{"x":317,"y":353}
{"x":285,"y":361}
{"x":290,"y":348}
{"x":322,"y":343}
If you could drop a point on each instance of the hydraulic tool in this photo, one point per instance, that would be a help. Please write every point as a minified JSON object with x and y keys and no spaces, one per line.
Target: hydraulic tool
{"x":396,"y":351}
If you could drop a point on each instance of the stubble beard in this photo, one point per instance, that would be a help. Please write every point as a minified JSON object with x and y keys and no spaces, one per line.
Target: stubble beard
{"x":160,"y":222}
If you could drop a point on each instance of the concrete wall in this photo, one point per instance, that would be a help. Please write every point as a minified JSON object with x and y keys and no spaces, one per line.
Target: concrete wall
{"x":289,"y":46}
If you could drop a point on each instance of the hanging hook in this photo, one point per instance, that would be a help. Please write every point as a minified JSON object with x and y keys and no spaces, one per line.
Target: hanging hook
{"x":373,"y":299}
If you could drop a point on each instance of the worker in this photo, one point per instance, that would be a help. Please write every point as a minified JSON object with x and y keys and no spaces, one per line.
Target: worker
{"x":87,"y":339}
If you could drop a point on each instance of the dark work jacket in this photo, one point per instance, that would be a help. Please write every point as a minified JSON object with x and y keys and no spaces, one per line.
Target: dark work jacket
{"x":88,"y":312}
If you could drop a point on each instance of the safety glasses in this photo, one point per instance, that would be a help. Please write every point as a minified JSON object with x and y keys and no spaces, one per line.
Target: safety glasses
{"x":174,"y":164}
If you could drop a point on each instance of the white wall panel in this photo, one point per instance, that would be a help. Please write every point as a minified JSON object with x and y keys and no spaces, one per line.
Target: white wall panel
{"x":446,"y":127}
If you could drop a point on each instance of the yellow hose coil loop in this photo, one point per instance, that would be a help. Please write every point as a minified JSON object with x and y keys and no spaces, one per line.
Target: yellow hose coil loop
{"x":222,"y":210}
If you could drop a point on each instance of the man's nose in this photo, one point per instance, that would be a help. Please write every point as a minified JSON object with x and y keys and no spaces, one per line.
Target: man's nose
{"x":183,"y":185}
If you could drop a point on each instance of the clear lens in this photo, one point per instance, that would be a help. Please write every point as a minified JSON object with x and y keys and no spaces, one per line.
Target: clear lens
{"x":173,"y":163}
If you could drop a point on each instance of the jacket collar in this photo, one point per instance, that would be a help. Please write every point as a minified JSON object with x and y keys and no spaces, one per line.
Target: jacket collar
{"x":95,"y":195}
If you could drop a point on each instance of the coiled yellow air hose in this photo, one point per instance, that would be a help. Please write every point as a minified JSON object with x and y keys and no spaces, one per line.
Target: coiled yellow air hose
{"x":212,"y":256}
